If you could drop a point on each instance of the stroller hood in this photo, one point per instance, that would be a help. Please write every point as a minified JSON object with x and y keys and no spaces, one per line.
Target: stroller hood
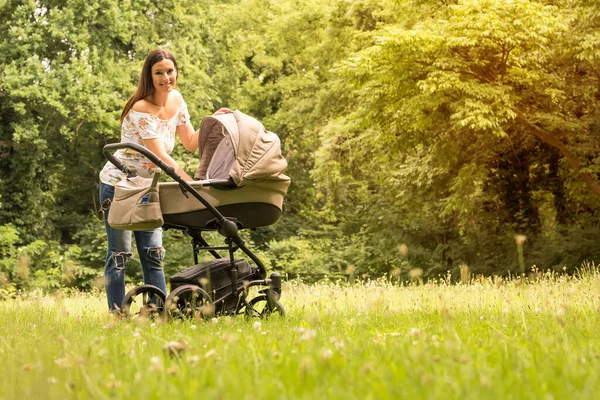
{"x":237,"y":146}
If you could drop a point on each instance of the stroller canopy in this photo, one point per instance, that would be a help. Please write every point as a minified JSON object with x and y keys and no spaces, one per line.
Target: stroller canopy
{"x":237,"y":146}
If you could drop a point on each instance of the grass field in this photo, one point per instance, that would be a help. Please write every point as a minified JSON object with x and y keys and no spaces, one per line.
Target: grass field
{"x":374,"y":340}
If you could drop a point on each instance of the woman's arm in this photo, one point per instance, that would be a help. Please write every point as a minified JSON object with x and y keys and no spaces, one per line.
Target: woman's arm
{"x":157,"y":147}
{"x":188,"y":137}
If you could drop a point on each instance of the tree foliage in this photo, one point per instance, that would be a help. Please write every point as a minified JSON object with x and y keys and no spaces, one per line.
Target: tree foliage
{"x":441,"y":127}
{"x":486,"y":115}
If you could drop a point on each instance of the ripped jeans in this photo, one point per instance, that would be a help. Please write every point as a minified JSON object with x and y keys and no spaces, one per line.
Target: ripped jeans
{"x":149,"y":248}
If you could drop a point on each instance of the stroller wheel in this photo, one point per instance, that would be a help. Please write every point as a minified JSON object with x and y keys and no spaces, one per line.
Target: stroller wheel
{"x":263,"y":307}
{"x":189,"y":301}
{"x":145,"y":301}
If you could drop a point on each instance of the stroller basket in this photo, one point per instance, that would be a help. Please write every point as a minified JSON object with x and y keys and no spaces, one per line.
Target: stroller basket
{"x":220,"y":283}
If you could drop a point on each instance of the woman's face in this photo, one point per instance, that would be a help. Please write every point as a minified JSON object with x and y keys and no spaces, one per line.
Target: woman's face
{"x":164,"y":75}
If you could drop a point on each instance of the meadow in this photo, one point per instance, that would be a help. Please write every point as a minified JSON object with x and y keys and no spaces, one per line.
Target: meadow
{"x":490,"y":339}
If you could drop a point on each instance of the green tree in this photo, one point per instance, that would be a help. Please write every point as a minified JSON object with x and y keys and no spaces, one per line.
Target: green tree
{"x":67,"y":69}
{"x":448,"y":107}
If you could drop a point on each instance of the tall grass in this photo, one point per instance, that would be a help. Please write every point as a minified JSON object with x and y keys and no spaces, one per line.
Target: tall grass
{"x":370,"y":340}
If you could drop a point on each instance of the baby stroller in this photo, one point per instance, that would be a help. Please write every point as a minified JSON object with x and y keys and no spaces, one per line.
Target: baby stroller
{"x":241,"y":186}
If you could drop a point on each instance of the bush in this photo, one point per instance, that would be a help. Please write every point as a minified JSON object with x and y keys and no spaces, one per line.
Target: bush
{"x":40,"y":264}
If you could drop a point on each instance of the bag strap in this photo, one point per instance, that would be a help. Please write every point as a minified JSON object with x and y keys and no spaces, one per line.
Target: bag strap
{"x":155,"y":179}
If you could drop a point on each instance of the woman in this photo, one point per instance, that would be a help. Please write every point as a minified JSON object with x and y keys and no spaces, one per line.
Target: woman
{"x":151,"y":117}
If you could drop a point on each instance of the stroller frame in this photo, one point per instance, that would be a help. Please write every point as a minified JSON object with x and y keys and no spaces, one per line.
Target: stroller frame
{"x":194,"y":300}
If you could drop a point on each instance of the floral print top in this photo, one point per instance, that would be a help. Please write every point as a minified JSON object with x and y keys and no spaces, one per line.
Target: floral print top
{"x":136,"y":127}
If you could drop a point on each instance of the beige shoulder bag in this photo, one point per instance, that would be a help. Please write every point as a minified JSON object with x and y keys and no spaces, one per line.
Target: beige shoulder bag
{"x":136,"y":205}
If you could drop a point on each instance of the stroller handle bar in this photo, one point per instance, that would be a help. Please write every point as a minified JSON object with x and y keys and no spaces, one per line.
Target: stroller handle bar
{"x":109,"y":148}
{"x":227,"y":228}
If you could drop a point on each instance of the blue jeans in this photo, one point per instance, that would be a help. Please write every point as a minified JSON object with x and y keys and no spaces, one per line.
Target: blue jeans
{"x":149,"y":248}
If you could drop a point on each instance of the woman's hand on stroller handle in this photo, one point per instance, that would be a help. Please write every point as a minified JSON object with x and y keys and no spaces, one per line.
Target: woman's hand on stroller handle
{"x":223,"y":110}
{"x":157,"y":147}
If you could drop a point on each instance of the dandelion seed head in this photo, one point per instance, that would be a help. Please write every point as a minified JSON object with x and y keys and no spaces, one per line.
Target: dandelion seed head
{"x":308,"y":334}
{"x":194,"y":360}
{"x":520,"y":239}
{"x":62,"y":362}
{"x":485,"y":381}
{"x":208,"y":310}
{"x":211,"y":353}
{"x":174,"y":348}
{"x":403,"y":249}
{"x":415,"y":273}
{"x":156,"y":364}
{"x":425,"y":379}
{"x":113,"y":383}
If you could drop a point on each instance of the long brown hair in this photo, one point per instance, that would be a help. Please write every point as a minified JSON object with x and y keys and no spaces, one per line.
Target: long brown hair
{"x":145,"y":86}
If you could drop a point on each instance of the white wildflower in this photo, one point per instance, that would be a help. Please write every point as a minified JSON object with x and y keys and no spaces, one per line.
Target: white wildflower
{"x":414,"y":331}
{"x":309,"y":334}
{"x":327,"y":354}
{"x":211,"y":353}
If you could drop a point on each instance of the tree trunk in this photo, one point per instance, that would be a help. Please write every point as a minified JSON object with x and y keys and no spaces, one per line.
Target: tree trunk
{"x":551,"y":140}
{"x":557,"y":188}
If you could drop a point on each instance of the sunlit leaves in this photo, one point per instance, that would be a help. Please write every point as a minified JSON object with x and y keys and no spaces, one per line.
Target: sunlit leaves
{"x":448,"y":93}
